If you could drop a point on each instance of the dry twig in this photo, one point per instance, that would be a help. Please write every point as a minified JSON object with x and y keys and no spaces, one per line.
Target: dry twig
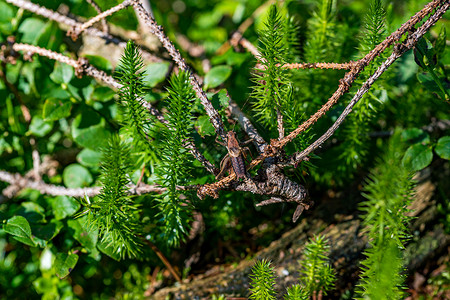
{"x":245,"y":123}
{"x":98,"y":10}
{"x":61,"y":19}
{"x":18,"y":182}
{"x":79,"y":28}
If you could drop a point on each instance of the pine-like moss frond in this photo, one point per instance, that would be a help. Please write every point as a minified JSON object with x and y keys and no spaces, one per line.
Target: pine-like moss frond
{"x":135,"y":116}
{"x":374,"y":27}
{"x":358,"y":126}
{"x":296,"y":292}
{"x":262,"y":281}
{"x":388,"y":193}
{"x":382,"y":272}
{"x":272,"y":82}
{"x":114,"y":214}
{"x":175,"y":159}
{"x":291,"y":29}
{"x":316,"y":274}
{"x":321,"y":33}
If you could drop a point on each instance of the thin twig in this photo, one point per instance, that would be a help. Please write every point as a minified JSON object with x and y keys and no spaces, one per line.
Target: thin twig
{"x":163,"y":259}
{"x":61,"y":19}
{"x":22,"y":182}
{"x":99,"y":11}
{"x":78,"y":29}
{"x":322,"y":65}
{"x":36,"y":160}
{"x":25,"y":111}
{"x":280,"y":124}
{"x":178,"y":59}
{"x":148,"y":7}
{"x":44,"y":188}
{"x":251,"y":48}
{"x":245,"y":123}
{"x":81,"y":66}
{"x":237,"y":35}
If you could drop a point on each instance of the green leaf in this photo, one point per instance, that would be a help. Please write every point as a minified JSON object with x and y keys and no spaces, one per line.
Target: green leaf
{"x":20,"y":229}
{"x":62,"y":73}
{"x":108,"y":249}
{"x":76,"y":176}
{"x":63,"y":206}
{"x":415,"y":135}
{"x":6,"y":16}
{"x":440,"y":42}
{"x":407,"y":68}
{"x":443,"y":147}
{"x":89,"y":158}
{"x":417,"y":157}
{"x":103,"y":94}
{"x":51,"y":90}
{"x":428,"y":82}
{"x":87,"y":238}
{"x":88,"y":131}
{"x":39,"y":127}
{"x":45,"y":232}
{"x":93,"y":137}
{"x":220,"y":100}
{"x":424,"y":53}
{"x":31,"y":211}
{"x":64,"y":264}
{"x":231,"y":58}
{"x":50,"y":37}
{"x":99,"y":62}
{"x":155,"y":73}
{"x":47,"y":286}
{"x":217,"y":76}
{"x":55,"y":109}
{"x":204,"y":126}
{"x":30,"y":29}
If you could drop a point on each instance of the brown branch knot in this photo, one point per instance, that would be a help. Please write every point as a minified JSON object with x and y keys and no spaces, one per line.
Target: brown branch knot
{"x":273,"y":182}
{"x":7,"y":53}
{"x":82,"y":65}
{"x":74,"y":32}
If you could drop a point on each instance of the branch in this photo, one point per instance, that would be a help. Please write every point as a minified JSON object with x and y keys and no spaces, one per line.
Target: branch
{"x":280,"y":125}
{"x":79,"y":28}
{"x":98,"y":10}
{"x":323,"y":65}
{"x":49,"y":189}
{"x":237,"y":35}
{"x":20,"y":182}
{"x":61,"y":19}
{"x":176,"y":56}
{"x":250,"y":48}
{"x":245,"y":123}
{"x":273,"y":183}
{"x":163,"y":258}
